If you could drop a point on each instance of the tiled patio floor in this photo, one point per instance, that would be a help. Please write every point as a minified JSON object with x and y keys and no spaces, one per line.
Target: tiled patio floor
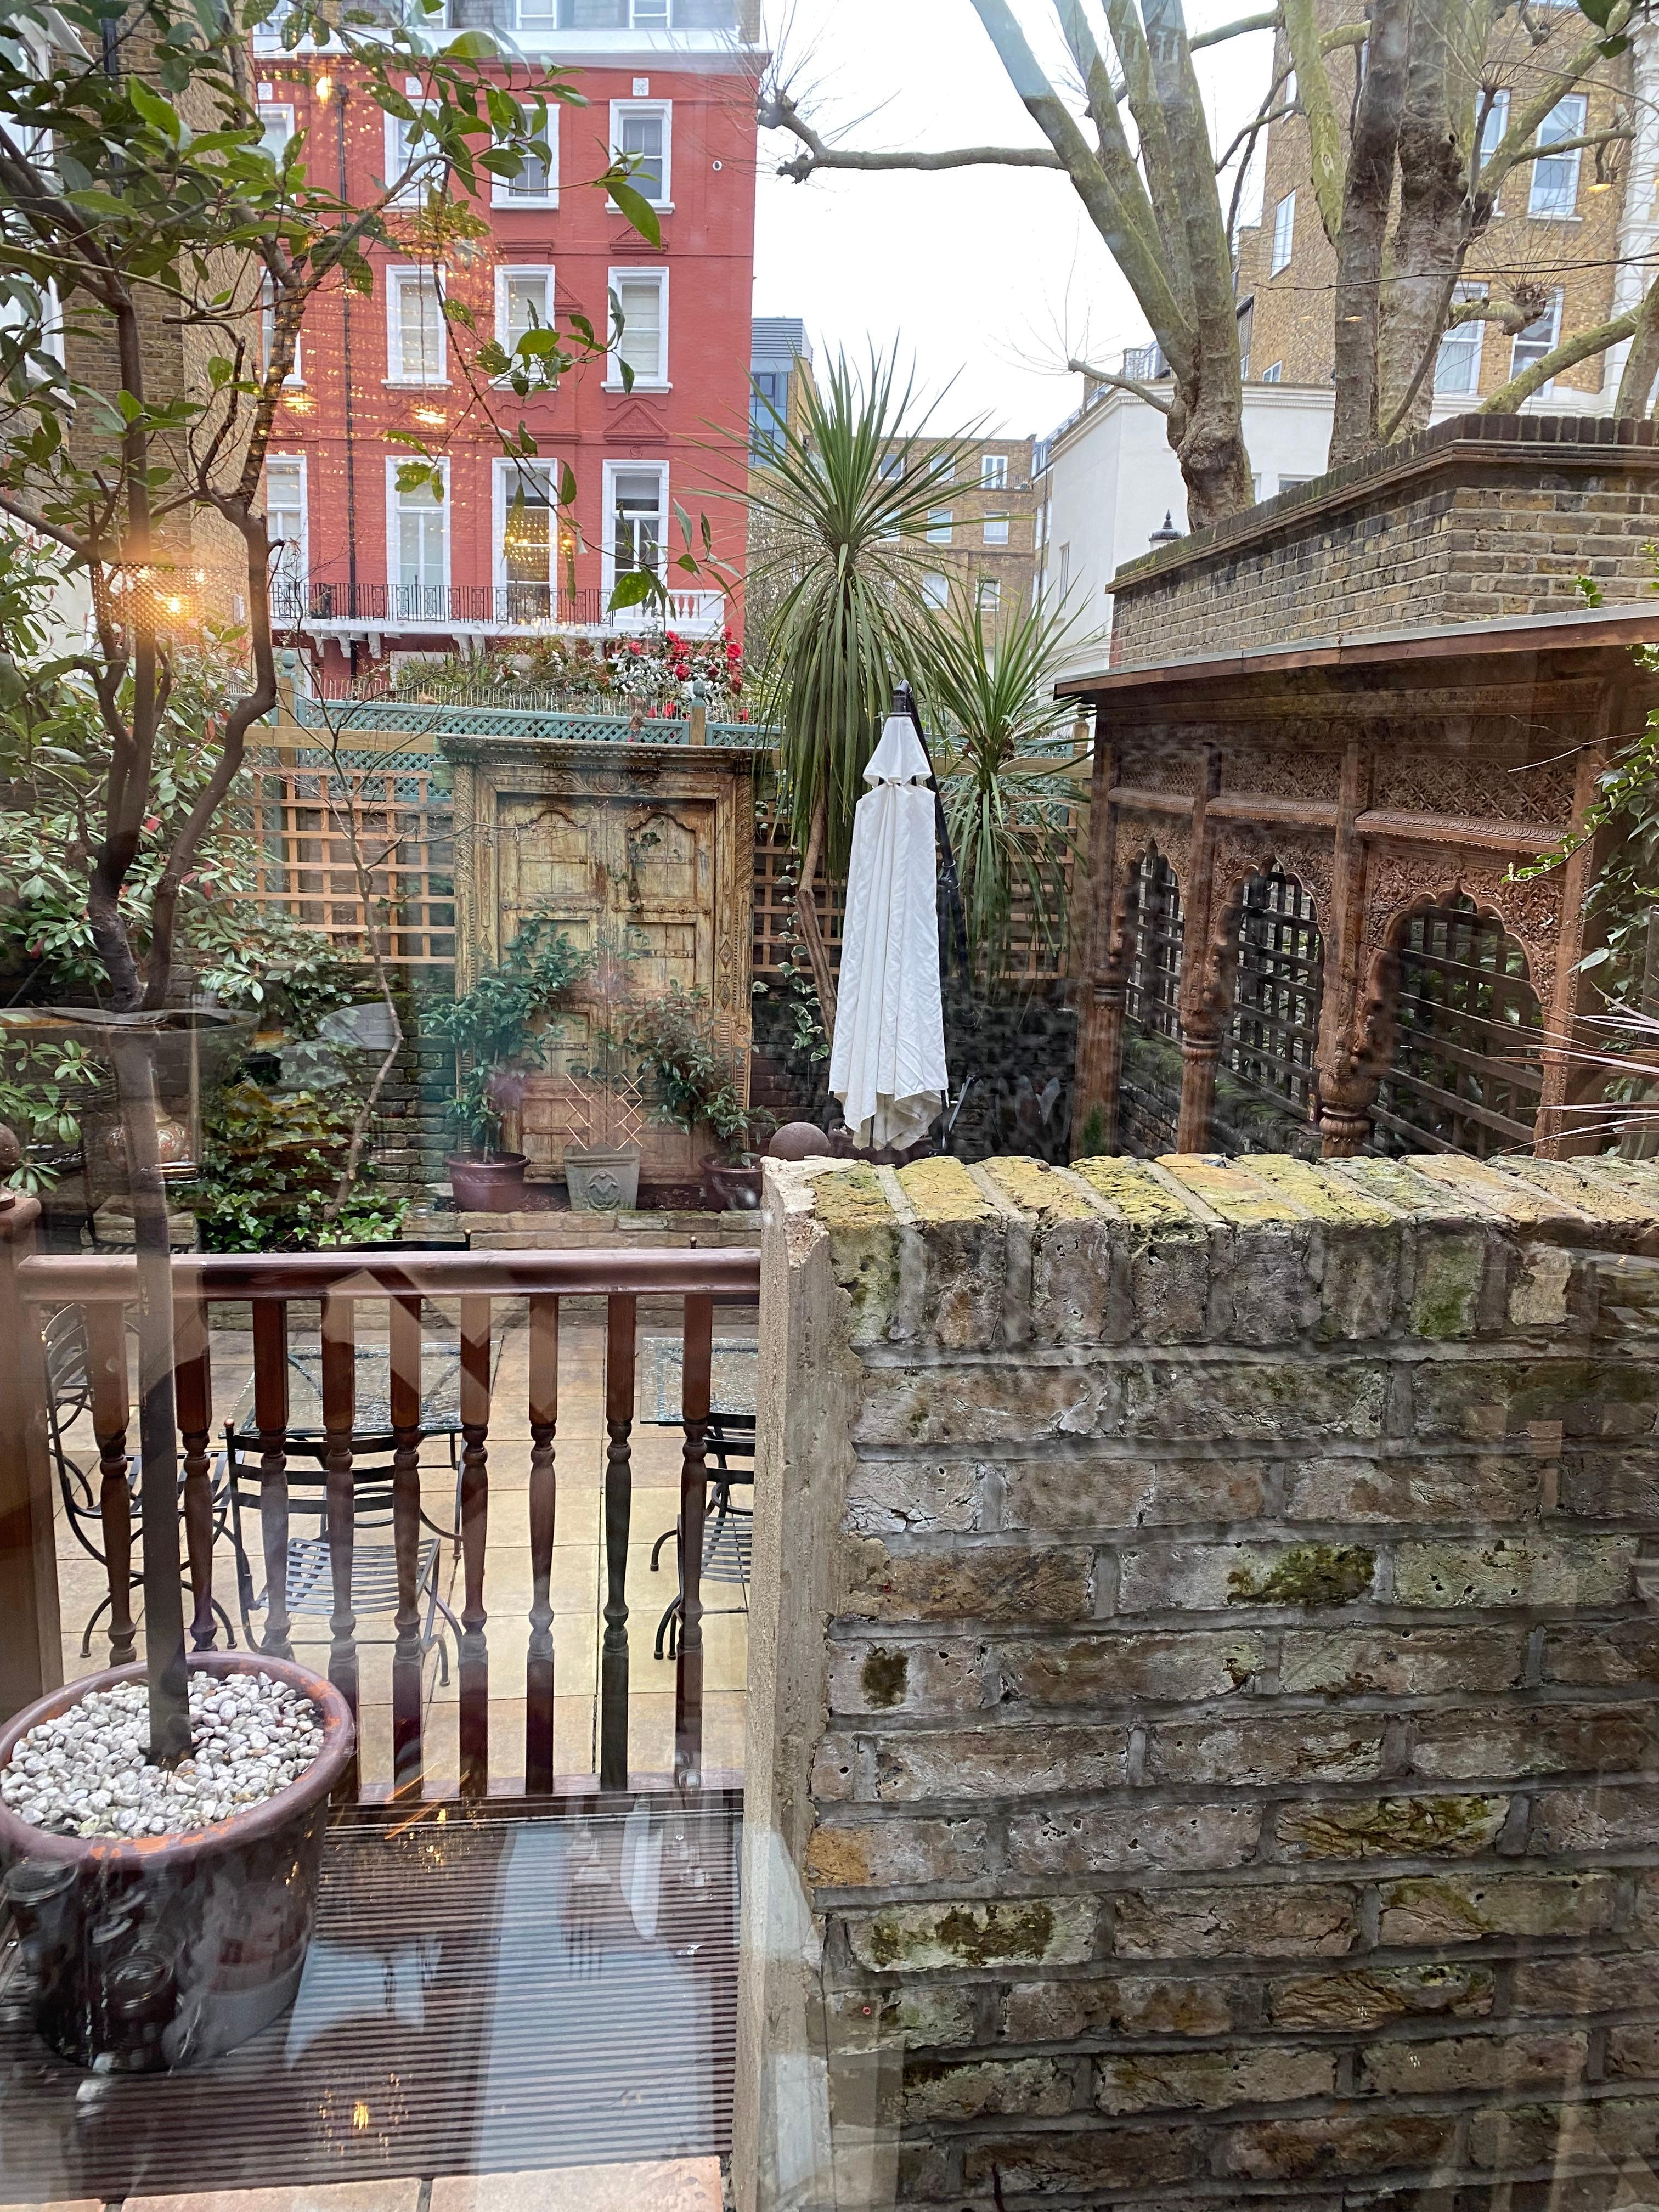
{"x":577,"y":1582}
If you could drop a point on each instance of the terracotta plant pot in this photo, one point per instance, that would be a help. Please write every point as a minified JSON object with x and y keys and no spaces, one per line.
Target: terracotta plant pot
{"x":493,"y":1186}
{"x":730,"y":1189}
{"x":161,"y":1951}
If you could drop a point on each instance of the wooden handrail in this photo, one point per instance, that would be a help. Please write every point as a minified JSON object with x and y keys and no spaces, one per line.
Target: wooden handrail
{"x":49,"y":1278}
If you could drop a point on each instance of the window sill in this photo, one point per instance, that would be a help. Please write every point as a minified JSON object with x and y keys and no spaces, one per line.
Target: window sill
{"x":657,"y":207}
{"x":639,"y":384}
{"x":1550,"y":215}
{"x":529,"y":206}
{"x":416,"y":383}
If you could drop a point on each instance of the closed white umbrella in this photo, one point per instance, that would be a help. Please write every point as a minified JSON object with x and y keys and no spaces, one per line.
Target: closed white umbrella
{"x":887,"y":1062}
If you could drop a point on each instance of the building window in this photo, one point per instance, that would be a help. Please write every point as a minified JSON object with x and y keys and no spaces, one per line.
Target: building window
{"x":640,"y":134}
{"x":1284,"y":234}
{"x":640,"y":298}
{"x":996,"y":530}
{"x":936,"y":589}
{"x":536,"y":183}
{"x":268,"y":334}
{"x":524,"y":301}
{"x":1273,"y":373}
{"x":419,"y":535}
{"x":994,"y":471}
{"x":768,"y":402}
{"x":402,"y":151}
{"x":938,"y":526}
{"x":415,"y":328}
{"x":1555,"y":176}
{"x":1497,"y":122}
{"x":1290,"y":483}
{"x":638,"y":503}
{"x":990,"y":595}
{"x":890,"y":467}
{"x":285,"y":526}
{"x":1539,"y":338}
{"x":527,"y":540}
{"x":1457,"y":364}
{"x":1065,"y":570}
{"x":276,"y":129}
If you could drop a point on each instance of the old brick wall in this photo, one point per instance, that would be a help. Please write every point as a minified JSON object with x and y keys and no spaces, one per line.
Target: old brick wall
{"x":1482,"y":516}
{"x":1201,"y":1735}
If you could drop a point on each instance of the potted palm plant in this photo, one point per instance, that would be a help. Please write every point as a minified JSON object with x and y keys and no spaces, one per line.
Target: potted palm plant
{"x":498,"y":1032}
{"x":698,"y":1087}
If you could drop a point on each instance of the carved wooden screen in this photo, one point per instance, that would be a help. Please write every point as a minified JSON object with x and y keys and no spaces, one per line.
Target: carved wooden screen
{"x":1152,"y":996}
{"x":1275,"y":1020}
{"x":1467,"y":1071}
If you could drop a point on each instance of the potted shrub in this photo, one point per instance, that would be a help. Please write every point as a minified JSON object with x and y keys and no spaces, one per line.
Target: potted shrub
{"x":498,"y":1032}
{"x":696,"y":1085}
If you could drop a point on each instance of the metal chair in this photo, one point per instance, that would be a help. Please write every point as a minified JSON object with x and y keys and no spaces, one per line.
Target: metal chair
{"x":68,"y":1395}
{"x":727,"y":1529}
{"x":308,"y":1583}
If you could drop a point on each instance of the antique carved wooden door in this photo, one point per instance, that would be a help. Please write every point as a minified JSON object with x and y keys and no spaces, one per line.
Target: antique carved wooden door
{"x":633,"y":879}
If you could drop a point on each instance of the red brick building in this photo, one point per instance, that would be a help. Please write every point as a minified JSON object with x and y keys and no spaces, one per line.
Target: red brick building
{"x":371,"y":570}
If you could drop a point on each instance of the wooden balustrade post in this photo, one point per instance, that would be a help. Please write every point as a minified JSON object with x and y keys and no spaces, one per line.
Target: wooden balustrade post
{"x":404,"y":1324}
{"x":270,"y":1419}
{"x":474,"y":1662}
{"x":539,"y":1683}
{"x":31,"y":1649}
{"x":192,"y":1388}
{"x":111,"y":1411}
{"x":339,"y":1358}
{"x":620,"y":1317}
{"x":695,"y":1383}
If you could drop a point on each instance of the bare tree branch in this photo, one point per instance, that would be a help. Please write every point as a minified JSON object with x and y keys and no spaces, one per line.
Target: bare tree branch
{"x":1567,"y":355}
{"x":1144,"y":391}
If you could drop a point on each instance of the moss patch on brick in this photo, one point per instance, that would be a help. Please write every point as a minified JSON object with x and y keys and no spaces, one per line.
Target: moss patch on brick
{"x":1320,"y":1192}
{"x":884,"y":1677}
{"x":1397,"y":1186}
{"x":1228,"y":1191}
{"x":1308,"y":1575}
{"x":943,"y":1191}
{"x":1394,"y":1827}
{"x":1036,"y":1189}
{"x":976,"y":1937}
{"x":851,"y":1201}
{"x":1136,"y":1192}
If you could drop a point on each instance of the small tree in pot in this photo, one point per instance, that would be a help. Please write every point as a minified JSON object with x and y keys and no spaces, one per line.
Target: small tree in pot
{"x":697,"y":1086}
{"x":498,"y":1032}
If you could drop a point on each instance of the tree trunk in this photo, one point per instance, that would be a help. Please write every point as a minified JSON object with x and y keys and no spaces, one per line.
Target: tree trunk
{"x":1642,"y":363}
{"x":1366,"y":193}
{"x":807,"y":913}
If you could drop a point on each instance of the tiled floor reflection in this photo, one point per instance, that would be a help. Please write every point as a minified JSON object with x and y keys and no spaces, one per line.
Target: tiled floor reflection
{"x":491,"y":2008}
{"x":578,"y":1581}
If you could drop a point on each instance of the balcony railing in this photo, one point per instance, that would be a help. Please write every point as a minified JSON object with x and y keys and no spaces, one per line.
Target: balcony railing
{"x":382,"y":1296}
{"x":506,"y":610}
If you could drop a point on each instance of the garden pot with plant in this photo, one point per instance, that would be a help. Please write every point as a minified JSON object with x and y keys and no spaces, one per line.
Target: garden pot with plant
{"x":499,"y":1031}
{"x":696,"y":1083}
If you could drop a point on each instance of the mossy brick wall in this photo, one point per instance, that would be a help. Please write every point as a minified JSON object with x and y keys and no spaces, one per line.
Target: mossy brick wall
{"x":1202,"y":1701}
{"x":1482,"y":517}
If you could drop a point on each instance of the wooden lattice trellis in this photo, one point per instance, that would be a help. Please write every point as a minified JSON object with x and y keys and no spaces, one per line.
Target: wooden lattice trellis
{"x":1466,"y":1074}
{"x":306,"y":816}
{"x":1152,"y":992}
{"x":1274,"y":1029}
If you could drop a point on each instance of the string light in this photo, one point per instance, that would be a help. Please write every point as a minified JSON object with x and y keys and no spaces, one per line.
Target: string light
{"x":324,"y":89}
{"x":434,"y":417}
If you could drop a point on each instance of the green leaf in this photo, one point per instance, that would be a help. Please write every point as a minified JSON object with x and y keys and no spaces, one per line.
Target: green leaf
{"x":156,"y":112}
{"x":639,"y":211}
{"x":471,"y":46}
{"x":632,"y":590}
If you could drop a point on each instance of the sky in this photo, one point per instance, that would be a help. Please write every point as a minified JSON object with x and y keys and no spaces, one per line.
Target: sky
{"x":986,"y":276}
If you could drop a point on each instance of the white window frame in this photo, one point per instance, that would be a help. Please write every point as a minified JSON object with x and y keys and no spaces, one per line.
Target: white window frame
{"x":614,"y":279}
{"x":1520,"y":339}
{"x":399,"y":278}
{"x":994,"y":471}
{"x":501,"y":191}
{"x":394,"y":510}
{"x":610,"y":470}
{"x":1468,"y":341}
{"x":996,"y":530}
{"x":941,"y":525}
{"x":292,"y":460}
{"x":664,"y":109}
{"x":278,"y":111}
{"x":396,"y":157}
{"x":936,"y":588}
{"x":1273,"y":374}
{"x":988,"y":594}
{"x":504,"y":479}
{"x":504,"y":271}
{"x":1283,"y":245}
{"x":1563,"y":206}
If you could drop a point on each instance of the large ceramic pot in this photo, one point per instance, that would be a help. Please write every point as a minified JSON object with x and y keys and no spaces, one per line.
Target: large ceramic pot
{"x":730,"y":1189}
{"x":493,"y":1186}
{"x":158,"y":1952}
{"x":602,"y":1179}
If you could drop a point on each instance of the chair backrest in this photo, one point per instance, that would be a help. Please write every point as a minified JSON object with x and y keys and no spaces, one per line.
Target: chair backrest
{"x":306,"y":1475}
{"x":69,"y":1365}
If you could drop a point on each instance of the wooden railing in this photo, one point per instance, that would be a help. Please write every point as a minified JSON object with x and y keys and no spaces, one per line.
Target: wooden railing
{"x":32,"y":1284}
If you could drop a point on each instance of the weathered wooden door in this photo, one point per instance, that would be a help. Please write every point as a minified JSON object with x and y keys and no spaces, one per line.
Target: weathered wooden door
{"x":633,"y":881}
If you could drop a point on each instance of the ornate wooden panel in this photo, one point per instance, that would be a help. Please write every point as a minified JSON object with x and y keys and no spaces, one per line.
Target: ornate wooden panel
{"x":644,"y":857}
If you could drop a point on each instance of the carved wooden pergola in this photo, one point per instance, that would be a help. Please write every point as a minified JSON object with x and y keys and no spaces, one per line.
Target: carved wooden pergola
{"x":1387,"y":773}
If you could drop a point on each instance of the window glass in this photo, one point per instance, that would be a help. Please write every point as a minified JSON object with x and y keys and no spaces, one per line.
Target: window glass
{"x":996,"y":530}
{"x":534,"y":182}
{"x":640,"y":299}
{"x":420,"y":540}
{"x":641,"y":135}
{"x":938,"y":526}
{"x":767,"y":402}
{"x":526,"y":303}
{"x":990,"y":595}
{"x":935,"y":588}
{"x":1284,"y":234}
{"x":637,"y":519}
{"x":1555,"y":176}
{"x":1538,"y":338}
{"x":994,"y":471}
{"x":277,"y":128}
{"x":528,"y":542}
{"x":418,"y":328}
{"x":285,"y":524}
{"x":1497,"y":122}
{"x":1457,"y":365}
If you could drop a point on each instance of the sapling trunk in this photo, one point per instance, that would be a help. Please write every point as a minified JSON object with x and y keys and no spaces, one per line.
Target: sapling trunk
{"x":158,"y":1450}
